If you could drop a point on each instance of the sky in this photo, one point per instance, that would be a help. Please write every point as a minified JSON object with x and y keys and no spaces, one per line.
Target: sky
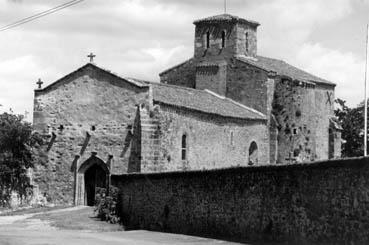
{"x":141,"y":38}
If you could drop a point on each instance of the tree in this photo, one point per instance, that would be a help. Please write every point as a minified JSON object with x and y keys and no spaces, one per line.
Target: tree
{"x":352,"y":122}
{"x":17,"y":145}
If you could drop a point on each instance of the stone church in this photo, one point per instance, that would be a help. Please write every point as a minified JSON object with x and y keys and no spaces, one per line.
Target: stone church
{"x":226,"y":106}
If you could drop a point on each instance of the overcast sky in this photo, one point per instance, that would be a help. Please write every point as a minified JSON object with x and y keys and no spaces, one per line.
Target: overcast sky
{"x":140,"y":38}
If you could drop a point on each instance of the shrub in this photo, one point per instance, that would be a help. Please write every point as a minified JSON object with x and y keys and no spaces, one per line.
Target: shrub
{"x":106,"y":205}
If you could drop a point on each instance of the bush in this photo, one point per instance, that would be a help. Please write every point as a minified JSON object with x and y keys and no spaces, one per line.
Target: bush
{"x":106,"y":205}
{"x":18,"y":147}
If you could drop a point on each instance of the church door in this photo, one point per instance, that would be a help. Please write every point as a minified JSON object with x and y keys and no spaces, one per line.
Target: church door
{"x":95,"y":177}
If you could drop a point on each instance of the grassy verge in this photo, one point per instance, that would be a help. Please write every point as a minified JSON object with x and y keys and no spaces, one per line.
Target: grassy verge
{"x":31,"y":210}
{"x":81,"y":219}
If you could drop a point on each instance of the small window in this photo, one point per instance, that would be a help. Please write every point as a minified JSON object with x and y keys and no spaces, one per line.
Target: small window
{"x":207,"y":39}
{"x":223,"y":39}
{"x":184,"y":147}
{"x":253,"y":153}
{"x":247,"y":42}
{"x":231,"y":140}
{"x":295,"y":131}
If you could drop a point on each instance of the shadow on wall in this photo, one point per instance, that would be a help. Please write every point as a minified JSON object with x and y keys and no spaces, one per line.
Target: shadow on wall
{"x":133,"y":139}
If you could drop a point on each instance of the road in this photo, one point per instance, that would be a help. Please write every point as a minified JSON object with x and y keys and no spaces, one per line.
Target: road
{"x":26,"y":230}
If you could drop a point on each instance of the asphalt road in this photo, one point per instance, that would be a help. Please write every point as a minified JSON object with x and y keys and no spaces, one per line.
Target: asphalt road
{"x":25,"y":230}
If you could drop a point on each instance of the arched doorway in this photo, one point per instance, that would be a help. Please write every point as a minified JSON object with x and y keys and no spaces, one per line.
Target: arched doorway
{"x":92,"y":174}
{"x":95,"y":177}
{"x":253,"y":153}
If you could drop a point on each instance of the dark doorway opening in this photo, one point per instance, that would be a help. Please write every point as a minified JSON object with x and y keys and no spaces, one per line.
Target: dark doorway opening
{"x":95,"y":177}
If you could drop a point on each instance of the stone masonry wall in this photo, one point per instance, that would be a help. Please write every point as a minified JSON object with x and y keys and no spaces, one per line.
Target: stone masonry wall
{"x":302,"y":111}
{"x":182,"y":75}
{"x":212,"y":76}
{"x":235,"y":41}
{"x":320,"y":203}
{"x":248,"y":85}
{"x":212,"y":141}
{"x":296,"y":116}
{"x":324,"y":106}
{"x":89,"y":111}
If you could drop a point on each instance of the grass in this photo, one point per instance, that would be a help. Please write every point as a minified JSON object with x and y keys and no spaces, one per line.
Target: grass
{"x":31,"y":210}
{"x":81,"y":219}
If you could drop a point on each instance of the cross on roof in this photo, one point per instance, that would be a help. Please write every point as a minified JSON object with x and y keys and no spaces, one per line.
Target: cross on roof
{"x":39,"y":83}
{"x":91,"y":56}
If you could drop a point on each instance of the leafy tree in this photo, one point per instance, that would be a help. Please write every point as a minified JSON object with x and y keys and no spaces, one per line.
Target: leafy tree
{"x":17,"y":144}
{"x":352,"y":122}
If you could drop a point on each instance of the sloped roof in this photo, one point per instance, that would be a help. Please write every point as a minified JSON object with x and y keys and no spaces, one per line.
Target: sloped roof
{"x":284,"y":69}
{"x":199,"y":100}
{"x":225,"y":17}
{"x":203,"y":101}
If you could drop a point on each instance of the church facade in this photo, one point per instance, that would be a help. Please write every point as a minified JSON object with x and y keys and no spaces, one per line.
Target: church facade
{"x":224,"y":107}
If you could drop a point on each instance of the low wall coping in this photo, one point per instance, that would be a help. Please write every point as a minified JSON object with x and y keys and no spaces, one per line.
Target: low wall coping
{"x":357,"y":162}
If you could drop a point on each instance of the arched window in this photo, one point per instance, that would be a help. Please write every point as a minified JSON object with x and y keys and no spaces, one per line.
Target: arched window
{"x":223,"y":39}
{"x":247,"y":41}
{"x":184,"y":147}
{"x":253,"y":153}
{"x":208,"y":39}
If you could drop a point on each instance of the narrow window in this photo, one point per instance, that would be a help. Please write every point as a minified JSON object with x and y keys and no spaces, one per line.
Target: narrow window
{"x":184,"y":147}
{"x":207,"y":39}
{"x":247,"y":41}
{"x":253,"y":153}
{"x":223,"y":38}
{"x":231,"y":138}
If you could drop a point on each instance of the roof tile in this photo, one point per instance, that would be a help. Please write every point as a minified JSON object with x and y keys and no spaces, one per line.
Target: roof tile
{"x":204,"y":101}
{"x":284,"y":69}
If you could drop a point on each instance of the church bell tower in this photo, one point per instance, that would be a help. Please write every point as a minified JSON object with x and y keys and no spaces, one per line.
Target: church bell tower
{"x":218,"y":39}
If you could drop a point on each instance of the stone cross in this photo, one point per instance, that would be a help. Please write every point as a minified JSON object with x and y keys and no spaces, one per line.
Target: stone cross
{"x":39,"y":83}
{"x":329,"y":98}
{"x":91,"y":56}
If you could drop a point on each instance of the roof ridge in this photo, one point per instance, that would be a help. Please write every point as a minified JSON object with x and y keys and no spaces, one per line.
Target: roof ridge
{"x":235,"y":102}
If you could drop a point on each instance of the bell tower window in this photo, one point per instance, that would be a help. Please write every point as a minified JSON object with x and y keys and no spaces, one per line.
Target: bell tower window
{"x":208,"y":39}
{"x":247,"y":42}
{"x":184,"y":147}
{"x":223,"y":39}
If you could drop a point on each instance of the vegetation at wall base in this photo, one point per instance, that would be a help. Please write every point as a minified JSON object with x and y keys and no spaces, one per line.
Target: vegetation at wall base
{"x":106,"y":204}
{"x":18,"y":147}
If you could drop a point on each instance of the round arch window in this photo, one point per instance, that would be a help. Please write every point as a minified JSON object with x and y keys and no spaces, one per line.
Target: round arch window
{"x":253,"y":153}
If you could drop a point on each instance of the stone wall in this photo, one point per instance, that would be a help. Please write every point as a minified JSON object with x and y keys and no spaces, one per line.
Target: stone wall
{"x":248,"y":85}
{"x":181,"y":75}
{"x":235,"y":40}
{"x":212,"y":141}
{"x":88,"y":111}
{"x":212,"y":76}
{"x":324,"y":106}
{"x":320,"y":203}
{"x":302,"y":112}
{"x":295,"y":112}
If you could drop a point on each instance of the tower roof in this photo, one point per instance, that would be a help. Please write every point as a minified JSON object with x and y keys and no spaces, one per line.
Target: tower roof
{"x":225,"y":18}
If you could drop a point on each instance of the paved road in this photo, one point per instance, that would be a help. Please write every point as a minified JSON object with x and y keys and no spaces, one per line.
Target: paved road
{"x":25,"y":230}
